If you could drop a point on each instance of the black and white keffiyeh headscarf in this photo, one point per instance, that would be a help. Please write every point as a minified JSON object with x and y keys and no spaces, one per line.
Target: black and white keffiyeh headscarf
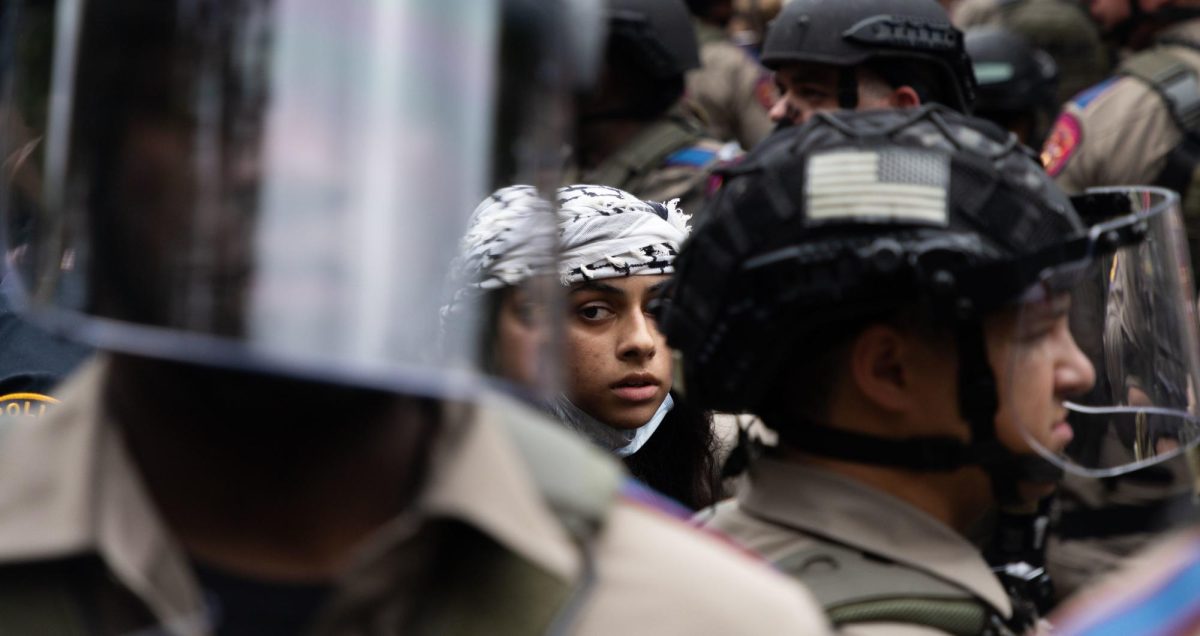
{"x":605,"y":232}
{"x":509,"y":239}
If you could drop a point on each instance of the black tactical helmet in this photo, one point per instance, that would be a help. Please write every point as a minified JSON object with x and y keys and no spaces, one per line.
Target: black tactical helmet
{"x":661,"y":32}
{"x":858,"y":217}
{"x":1014,"y":78}
{"x":797,"y":239}
{"x":849,"y":33}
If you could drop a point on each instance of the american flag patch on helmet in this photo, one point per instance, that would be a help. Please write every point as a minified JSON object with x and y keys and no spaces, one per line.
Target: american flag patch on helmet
{"x":895,"y":184}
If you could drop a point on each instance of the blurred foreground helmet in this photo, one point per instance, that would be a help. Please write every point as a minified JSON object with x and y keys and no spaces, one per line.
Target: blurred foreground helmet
{"x":1017,"y":83}
{"x":659,"y":31}
{"x":858,"y":215}
{"x":914,"y":34}
{"x":281,"y":185}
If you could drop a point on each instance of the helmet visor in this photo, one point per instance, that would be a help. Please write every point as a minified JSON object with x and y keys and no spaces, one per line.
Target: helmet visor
{"x":1103,"y":367}
{"x":285,"y":183}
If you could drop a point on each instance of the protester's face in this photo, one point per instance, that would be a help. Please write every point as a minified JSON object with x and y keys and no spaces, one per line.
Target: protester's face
{"x":619,"y":370}
{"x":1038,"y":366}
{"x":807,"y":89}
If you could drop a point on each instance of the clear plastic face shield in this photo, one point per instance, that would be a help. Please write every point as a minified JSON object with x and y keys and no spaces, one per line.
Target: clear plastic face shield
{"x":1103,"y":368}
{"x":285,"y":185}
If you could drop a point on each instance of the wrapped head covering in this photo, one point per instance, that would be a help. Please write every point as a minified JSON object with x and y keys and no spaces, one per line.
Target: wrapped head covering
{"x":605,"y":232}
{"x":508,"y":241}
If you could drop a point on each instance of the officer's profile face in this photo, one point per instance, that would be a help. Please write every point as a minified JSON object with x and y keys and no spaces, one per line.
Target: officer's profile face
{"x":1038,"y":366}
{"x":618,"y":365}
{"x":809,"y":88}
{"x":911,"y":376}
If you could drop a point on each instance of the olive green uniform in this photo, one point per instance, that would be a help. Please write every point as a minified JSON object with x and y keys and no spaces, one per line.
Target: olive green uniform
{"x":1061,"y":28}
{"x":854,"y":545}
{"x":486,"y":549}
{"x":672,"y":158}
{"x":731,"y":90}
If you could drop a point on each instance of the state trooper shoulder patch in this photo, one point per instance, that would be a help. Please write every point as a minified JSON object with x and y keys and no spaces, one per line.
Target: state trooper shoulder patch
{"x":1060,"y":145}
{"x":25,"y":404}
{"x":765,"y":92}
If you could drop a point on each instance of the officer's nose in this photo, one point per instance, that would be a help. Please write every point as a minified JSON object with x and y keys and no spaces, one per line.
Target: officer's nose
{"x":784,"y":112}
{"x":1075,"y":374}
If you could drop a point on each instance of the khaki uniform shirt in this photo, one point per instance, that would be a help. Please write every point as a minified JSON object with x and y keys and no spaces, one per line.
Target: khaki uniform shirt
{"x":785,"y":507}
{"x":1118,"y":132}
{"x":731,"y":90}
{"x":68,"y":488}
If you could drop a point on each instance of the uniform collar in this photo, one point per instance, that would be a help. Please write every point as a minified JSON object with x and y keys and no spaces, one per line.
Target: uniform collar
{"x":68,"y":487}
{"x":842,"y":510}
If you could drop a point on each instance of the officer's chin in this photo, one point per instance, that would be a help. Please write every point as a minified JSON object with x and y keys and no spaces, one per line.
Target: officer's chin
{"x":1034,"y":491}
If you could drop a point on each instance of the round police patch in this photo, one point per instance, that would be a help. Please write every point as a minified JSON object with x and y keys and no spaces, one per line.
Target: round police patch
{"x":765,"y":91}
{"x":25,"y":404}
{"x":1061,"y":144}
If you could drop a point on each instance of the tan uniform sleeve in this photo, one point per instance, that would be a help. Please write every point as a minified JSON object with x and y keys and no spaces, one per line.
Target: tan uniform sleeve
{"x":1124,"y":137}
{"x":658,"y":576}
{"x":733,"y":93}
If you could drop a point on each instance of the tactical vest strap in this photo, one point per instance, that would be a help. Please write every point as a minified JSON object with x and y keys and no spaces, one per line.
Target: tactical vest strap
{"x":645,"y":153}
{"x":1172,"y":79}
{"x":854,"y":587}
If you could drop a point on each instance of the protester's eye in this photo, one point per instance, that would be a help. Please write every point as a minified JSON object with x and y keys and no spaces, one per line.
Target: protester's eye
{"x":595,"y":312}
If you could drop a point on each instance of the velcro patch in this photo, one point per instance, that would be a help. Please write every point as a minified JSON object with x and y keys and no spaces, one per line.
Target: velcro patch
{"x":695,"y":157}
{"x":25,"y":404}
{"x":892,"y":185}
{"x":1060,"y":145}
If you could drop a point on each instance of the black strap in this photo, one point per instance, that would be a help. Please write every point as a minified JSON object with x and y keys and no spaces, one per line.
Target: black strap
{"x":847,"y":88}
{"x":919,"y":453}
{"x":1175,"y":82}
{"x":1111,"y":521}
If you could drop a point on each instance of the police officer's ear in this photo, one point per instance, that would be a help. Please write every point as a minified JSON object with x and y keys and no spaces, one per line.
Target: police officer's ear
{"x":904,"y":97}
{"x":883,"y":365}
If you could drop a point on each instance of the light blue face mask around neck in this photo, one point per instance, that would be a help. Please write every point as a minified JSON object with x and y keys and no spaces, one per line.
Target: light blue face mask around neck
{"x":620,"y":442}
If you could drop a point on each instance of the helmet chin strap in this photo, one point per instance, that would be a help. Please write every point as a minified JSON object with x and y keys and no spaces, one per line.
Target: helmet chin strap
{"x":978,"y":404}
